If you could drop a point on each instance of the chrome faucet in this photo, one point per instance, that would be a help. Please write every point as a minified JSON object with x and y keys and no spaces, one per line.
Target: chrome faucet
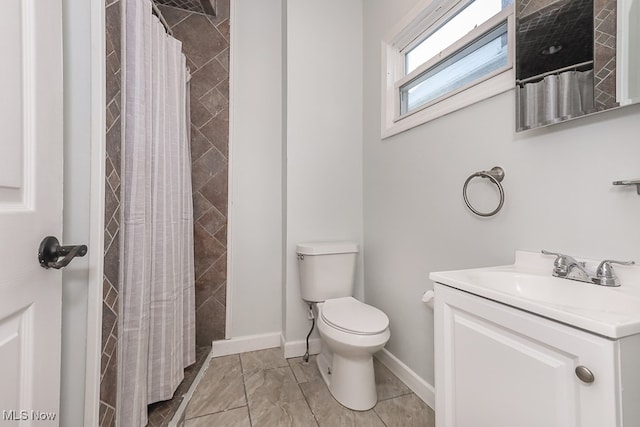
{"x":567,"y":267}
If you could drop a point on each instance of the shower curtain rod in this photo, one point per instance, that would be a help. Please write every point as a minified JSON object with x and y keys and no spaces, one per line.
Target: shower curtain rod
{"x":165,"y":24}
{"x":156,"y":11}
{"x":558,"y":71}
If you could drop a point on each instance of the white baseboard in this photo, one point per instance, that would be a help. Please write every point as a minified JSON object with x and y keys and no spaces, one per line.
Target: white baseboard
{"x":299,"y":348}
{"x":419,"y":386}
{"x":264,"y":341}
{"x":245,"y":344}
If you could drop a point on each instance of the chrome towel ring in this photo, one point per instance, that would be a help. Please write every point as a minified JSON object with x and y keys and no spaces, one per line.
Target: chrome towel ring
{"x":496,"y":175}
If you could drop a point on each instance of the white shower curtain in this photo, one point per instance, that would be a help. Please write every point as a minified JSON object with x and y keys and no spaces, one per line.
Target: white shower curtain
{"x":556,"y":97}
{"x":157,"y":295}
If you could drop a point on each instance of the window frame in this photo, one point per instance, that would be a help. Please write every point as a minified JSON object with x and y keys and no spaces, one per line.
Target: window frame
{"x":422,"y":21}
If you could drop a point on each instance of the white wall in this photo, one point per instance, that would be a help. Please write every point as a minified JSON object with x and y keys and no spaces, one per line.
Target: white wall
{"x":296,"y":151}
{"x":77,"y":154}
{"x":558,"y":194}
{"x":323,"y":136}
{"x":255,"y":208}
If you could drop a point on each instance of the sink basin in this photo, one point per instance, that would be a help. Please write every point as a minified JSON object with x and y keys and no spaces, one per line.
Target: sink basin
{"x":529,"y":285}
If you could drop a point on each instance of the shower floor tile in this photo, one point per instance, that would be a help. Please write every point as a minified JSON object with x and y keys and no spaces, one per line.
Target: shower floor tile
{"x":278,"y":392}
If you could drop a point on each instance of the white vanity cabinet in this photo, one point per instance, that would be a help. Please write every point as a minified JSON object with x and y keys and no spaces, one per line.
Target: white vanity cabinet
{"x":499,"y":366}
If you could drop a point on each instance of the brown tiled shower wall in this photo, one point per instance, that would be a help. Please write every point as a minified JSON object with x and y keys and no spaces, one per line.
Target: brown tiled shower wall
{"x":108,"y":379}
{"x":206,"y":44}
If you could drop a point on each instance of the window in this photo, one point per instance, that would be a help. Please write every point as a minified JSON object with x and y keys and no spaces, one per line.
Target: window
{"x":481,"y":57}
{"x":447,"y":55}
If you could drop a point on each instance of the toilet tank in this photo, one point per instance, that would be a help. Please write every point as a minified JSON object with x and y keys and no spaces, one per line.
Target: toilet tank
{"x":327,"y":269}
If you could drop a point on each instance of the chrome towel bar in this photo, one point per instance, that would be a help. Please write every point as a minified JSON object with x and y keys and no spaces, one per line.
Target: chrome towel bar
{"x":635,"y":182}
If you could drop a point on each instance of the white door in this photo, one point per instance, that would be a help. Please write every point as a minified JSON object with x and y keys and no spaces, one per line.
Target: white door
{"x":30,"y":209}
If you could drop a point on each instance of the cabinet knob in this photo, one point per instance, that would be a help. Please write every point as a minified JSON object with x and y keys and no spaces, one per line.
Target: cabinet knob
{"x":584,"y":374}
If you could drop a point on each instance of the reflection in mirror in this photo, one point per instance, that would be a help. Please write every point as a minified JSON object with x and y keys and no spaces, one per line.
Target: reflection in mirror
{"x":554,"y":61}
{"x":566,"y":54}
{"x":628,"y":49}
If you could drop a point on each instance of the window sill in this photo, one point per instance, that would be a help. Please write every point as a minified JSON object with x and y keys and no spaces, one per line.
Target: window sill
{"x":492,"y":86}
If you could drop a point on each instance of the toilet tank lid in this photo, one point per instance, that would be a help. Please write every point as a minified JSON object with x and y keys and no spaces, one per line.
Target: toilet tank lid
{"x":325,"y":248}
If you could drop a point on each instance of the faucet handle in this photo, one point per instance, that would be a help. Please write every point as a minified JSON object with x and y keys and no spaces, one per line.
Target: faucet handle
{"x":605,"y":275}
{"x":560,"y":268}
{"x":560,"y":258}
{"x":546,"y":252}
{"x":563,"y":263}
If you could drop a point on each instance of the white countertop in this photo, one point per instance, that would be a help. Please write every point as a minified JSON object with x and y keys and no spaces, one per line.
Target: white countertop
{"x":527,"y":284}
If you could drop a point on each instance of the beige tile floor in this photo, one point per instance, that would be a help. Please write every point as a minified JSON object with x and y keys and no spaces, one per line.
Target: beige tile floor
{"x":262,"y":388}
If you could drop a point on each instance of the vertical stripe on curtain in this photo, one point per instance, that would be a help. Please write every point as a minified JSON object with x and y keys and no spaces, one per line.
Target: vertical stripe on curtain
{"x":555,"y":98}
{"x":157,"y":332}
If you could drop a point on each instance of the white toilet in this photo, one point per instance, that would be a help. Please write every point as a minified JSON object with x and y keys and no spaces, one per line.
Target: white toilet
{"x":351,"y":331}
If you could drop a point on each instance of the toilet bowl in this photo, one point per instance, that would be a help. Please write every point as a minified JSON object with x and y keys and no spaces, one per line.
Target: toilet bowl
{"x":351,"y":333}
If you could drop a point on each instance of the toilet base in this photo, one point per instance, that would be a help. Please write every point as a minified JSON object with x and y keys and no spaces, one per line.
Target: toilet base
{"x":323,"y":360}
{"x":351,"y":381}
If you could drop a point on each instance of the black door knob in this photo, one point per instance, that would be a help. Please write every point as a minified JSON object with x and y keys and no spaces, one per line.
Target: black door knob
{"x":50,"y":252}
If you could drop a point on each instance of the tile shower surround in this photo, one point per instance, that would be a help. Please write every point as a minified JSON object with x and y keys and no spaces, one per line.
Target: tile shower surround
{"x":201,"y":6}
{"x":205,"y":42}
{"x":206,"y":45}
{"x":108,"y":372}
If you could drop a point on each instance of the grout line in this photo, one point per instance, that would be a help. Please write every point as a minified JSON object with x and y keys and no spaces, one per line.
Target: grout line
{"x":302,"y":392}
{"x":315,"y":418}
{"x":211,"y":266}
{"x":231,"y":408}
{"x":211,"y":60}
{"x":400,"y":395}
{"x":184,"y":10}
{"x":244,"y":387}
{"x":217,"y":210}
{"x":213,"y":237}
{"x":193,"y":162}
{"x":213,"y":113}
{"x":176,"y":8}
{"x":379,"y":417}
{"x":211,"y":118}
{"x":222,"y":19}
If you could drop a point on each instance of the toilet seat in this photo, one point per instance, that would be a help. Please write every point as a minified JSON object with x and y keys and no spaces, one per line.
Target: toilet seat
{"x":349,"y":315}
